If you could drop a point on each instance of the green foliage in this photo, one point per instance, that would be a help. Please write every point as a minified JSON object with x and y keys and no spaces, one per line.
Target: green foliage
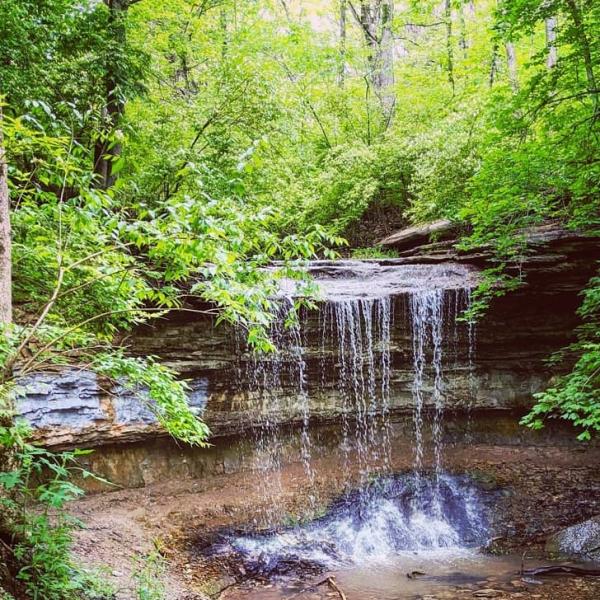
{"x":239,"y":134}
{"x":575,"y":397}
{"x":375,"y":252}
{"x":148,"y":574}
{"x":34,"y":493}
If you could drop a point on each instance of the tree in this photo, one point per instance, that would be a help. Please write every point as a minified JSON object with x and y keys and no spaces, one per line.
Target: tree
{"x":449,"y":44}
{"x":5,"y":234}
{"x":342,"y":15}
{"x":581,"y":38}
{"x":108,"y":147}
{"x":511,"y":62}
{"x":376,"y":19}
{"x":550,"y":26}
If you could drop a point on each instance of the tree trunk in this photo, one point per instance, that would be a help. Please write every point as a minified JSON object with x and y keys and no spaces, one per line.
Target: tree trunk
{"x":449,"y":46}
{"x":463,"y":41}
{"x":386,"y":77}
{"x":376,"y":20}
{"x":107,"y":149}
{"x":494,"y":64}
{"x":511,"y":61}
{"x":552,"y":57}
{"x":286,"y":9}
{"x":5,"y":241}
{"x":584,"y":46}
{"x":343,"y":37}
{"x":224,"y":24}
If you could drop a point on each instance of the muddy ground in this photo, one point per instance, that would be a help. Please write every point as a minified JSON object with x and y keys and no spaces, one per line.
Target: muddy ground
{"x":540,"y":490}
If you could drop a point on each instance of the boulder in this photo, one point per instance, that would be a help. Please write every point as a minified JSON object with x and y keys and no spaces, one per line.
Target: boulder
{"x":581,"y":541}
{"x":419,"y":234}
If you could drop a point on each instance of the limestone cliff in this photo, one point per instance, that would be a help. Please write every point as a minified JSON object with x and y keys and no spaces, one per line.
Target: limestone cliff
{"x":499,"y":368}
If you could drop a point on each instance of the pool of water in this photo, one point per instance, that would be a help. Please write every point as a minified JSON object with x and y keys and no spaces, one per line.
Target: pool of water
{"x":442,"y":573}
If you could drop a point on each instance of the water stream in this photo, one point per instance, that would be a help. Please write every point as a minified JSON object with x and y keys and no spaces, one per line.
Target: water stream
{"x":381,"y":515}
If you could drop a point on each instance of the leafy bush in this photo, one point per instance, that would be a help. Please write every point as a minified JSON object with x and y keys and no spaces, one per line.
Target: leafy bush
{"x":147,"y":575}
{"x":575,"y":397}
{"x":35,"y":491}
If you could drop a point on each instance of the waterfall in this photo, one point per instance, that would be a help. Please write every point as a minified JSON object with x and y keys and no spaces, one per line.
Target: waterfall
{"x":362,"y":330}
{"x":386,"y":514}
{"x":262,"y":381}
{"x":373,"y":528}
{"x":427,"y":312}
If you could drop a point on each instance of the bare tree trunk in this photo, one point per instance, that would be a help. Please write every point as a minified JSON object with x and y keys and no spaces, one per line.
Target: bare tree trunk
{"x":286,"y":9}
{"x":343,"y":38}
{"x":5,"y":241}
{"x":386,"y":78}
{"x":376,"y":20}
{"x":511,"y":62}
{"x":552,"y":58}
{"x":584,"y":46}
{"x":224,"y":24}
{"x":463,"y":41}
{"x":449,"y":46}
{"x":494,"y":64}
{"x":107,"y":151}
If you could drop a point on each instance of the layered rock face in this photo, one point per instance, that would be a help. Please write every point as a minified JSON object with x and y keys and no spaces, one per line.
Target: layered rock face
{"x":498,"y":365}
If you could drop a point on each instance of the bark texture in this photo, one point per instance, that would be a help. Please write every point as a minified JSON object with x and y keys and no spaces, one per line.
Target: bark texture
{"x":5,"y":240}
{"x":511,"y":62}
{"x":107,"y":149}
{"x":552,"y":57}
{"x":376,"y":21}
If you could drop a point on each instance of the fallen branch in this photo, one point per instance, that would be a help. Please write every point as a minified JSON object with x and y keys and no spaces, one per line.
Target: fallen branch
{"x":6,"y":546}
{"x":561,"y":570}
{"x":330,"y":581}
{"x":334,"y":586}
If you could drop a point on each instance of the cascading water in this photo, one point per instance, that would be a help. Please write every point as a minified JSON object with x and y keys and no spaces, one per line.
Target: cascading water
{"x":362,"y":330}
{"x":427,"y":312}
{"x":374,"y":526}
{"x":263,"y":378}
{"x":386,"y":514}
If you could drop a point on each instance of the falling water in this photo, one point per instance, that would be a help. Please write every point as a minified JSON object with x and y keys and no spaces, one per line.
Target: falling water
{"x":362,"y":331}
{"x":299,"y":363}
{"x":264,"y":378}
{"x":471,"y":349}
{"x":427,"y":310}
{"x":385,"y":514}
{"x":373,"y":527}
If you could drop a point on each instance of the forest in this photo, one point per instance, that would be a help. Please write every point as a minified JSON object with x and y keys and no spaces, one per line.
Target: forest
{"x":161,"y":156}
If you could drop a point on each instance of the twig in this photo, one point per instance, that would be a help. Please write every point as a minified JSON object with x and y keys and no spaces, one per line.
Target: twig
{"x":330,"y":581}
{"x":6,"y":546}
{"x":334,"y":586}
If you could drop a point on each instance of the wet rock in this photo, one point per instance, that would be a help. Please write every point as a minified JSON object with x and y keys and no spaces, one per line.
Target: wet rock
{"x":487,"y":593}
{"x":521,"y":330}
{"x":581,"y":541}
